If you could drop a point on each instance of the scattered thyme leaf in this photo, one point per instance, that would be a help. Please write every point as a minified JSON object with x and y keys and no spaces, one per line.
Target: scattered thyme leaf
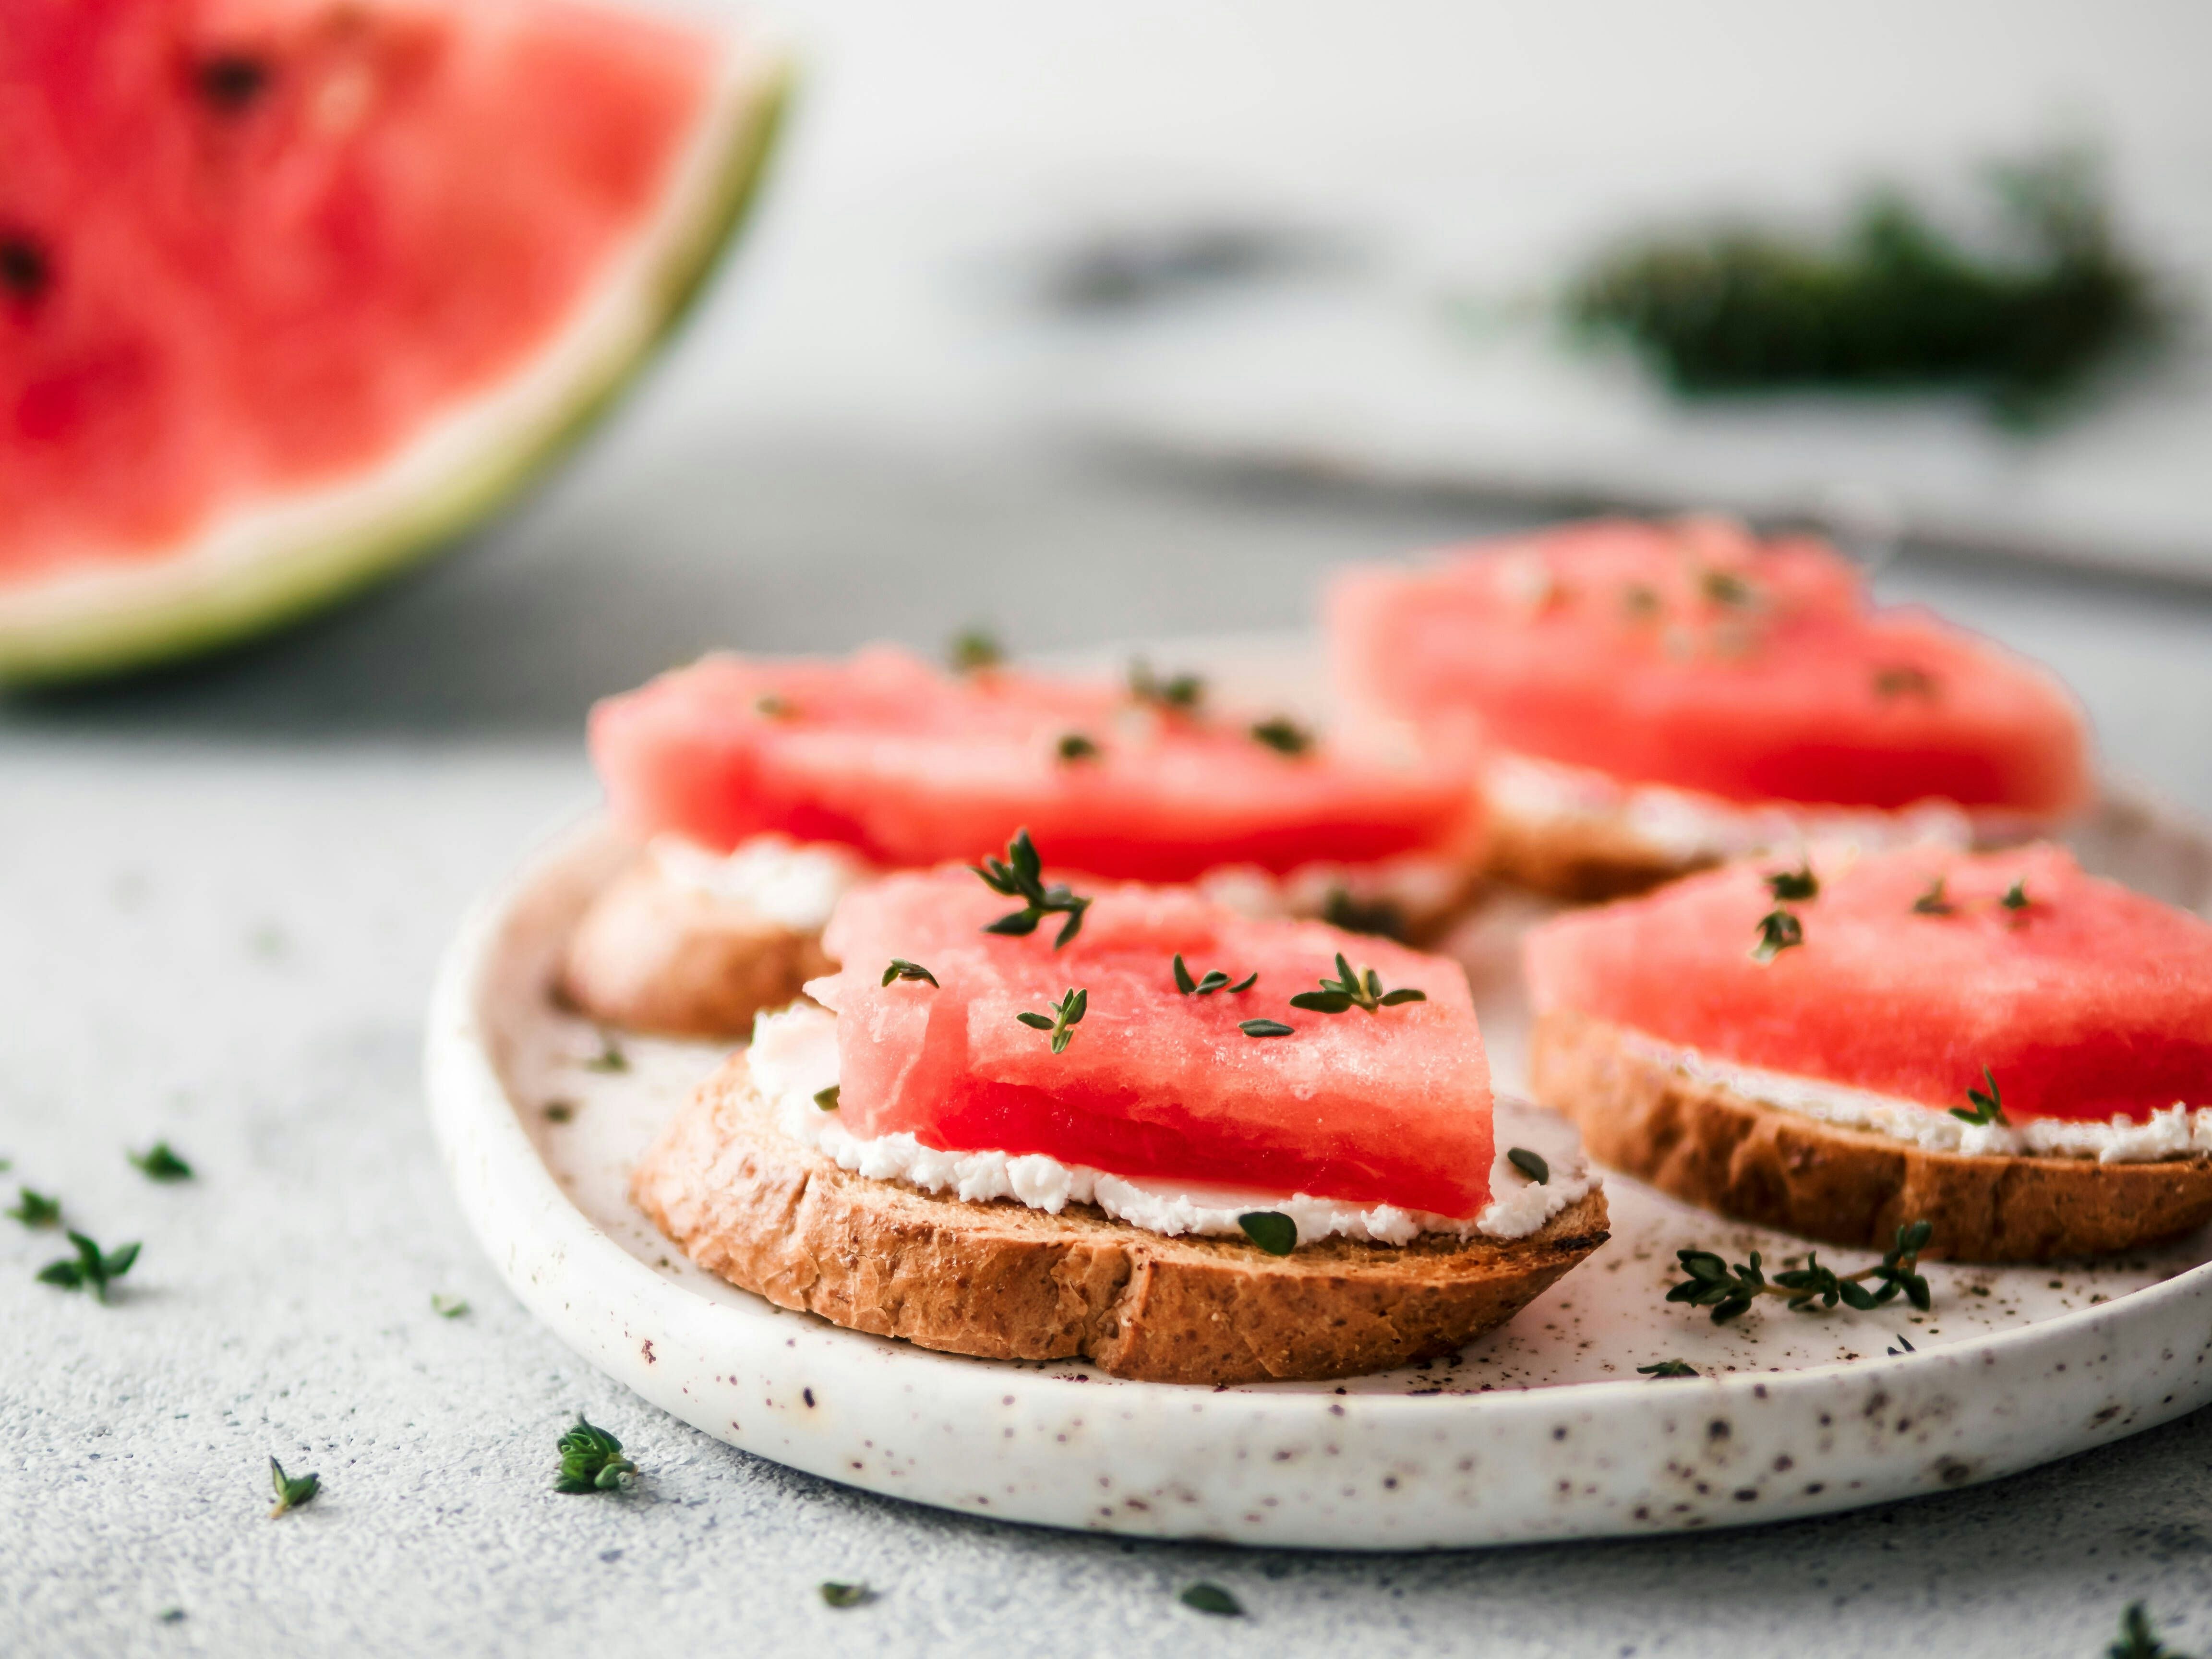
{"x":1270,"y":1229}
{"x":975,"y":648}
{"x":2138,"y":1640}
{"x":1903,"y":681}
{"x":447,"y":1307}
{"x":559,"y":1111}
{"x":1245,"y":983}
{"x":1204,"y":1598}
{"x":827,"y":1098}
{"x":1283,"y":735}
{"x":1350,"y":990}
{"x":1710,"y":1282}
{"x":158,"y":1163}
{"x":1264,"y":1028}
{"x":1780,"y":930}
{"x":1987,"y":1109}
{"x":2015,"y":897}
{"x":902,"y":969}
{"x":92,"y":1269}
{"x":1727,"y":587}
{"x":1066,"y":1013}
{"x":609,"y":1058}
{"x":1902,"y":1345}
{"x":1075,"y":747}
{"x":1932,"y":902}
{"x":1794,"y":886}
{"x":293,"y":1490}
{"x":1530,"y":1163}
{"x":591,"y":1460}
{"x":36,"y":1209}
{"x":1179,"y":694}
{"x":835,"y":1595}
{"x":1667,"y":1367}
{"x":1020,"y":875}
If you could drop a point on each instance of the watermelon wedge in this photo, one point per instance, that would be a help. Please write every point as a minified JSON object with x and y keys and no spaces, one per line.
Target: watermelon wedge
{"x":1225,"y":1085}
{"x":913,"y":766}
{"x":1694,"y":657}
{"x":1922,"y":974}
{"x":291,"y":291}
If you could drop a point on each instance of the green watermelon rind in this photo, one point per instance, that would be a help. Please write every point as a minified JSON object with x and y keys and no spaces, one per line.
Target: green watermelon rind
{"x":132,"y":619}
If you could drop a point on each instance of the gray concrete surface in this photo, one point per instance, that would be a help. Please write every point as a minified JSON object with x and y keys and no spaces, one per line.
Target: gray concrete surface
{"x":220,"y":897}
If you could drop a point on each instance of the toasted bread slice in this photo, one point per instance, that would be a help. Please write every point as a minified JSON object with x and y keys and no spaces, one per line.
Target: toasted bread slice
{"x":1711,"y":1146}
{"x":653,"y":954}
{"x":1001,"y":1281}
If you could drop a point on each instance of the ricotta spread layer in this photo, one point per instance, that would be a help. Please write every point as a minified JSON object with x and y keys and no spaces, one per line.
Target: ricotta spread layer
{"x":2178,"y":1130}
{"x":1688,"y":826}
{"x":793,"y":883}
{"x":795,"y":1057}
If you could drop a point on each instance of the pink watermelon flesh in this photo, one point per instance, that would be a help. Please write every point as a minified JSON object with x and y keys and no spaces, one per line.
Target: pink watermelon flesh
{"x":1389,"y":1108}
{"x":252,"y":246}
{"x":1693,"y":656}
{"x":2091,"y":1001}
{"x":884,"y":753}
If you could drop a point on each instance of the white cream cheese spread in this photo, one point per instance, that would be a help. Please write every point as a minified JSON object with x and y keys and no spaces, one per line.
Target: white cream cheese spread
{"x":2177,"y":1132}
{"x":795,"y":1057}
{"x":1687,"y":826}
{"x":795,"y":884}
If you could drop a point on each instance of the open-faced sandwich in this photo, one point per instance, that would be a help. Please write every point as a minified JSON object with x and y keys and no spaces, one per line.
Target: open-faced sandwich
{"x":2018,"y":1051}
{"x":1129,"y":1124}
{"x":758,"y":791}
{"x":1659,"y":697}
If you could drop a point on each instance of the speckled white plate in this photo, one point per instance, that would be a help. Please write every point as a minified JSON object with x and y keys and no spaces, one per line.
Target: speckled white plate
{"x":1542,"y":1430}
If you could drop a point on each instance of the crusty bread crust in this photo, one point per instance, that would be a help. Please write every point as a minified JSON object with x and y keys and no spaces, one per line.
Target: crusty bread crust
{"x":1001,"y":1281}
{"x":1583,"y":860}
{"x":1713,"y":1147}
{"x":655,"y":955}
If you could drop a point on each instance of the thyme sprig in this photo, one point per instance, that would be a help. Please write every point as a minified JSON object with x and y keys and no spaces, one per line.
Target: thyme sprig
{"x":2138,"y":1640}
{"x":1020,"y":875}
{"x":1780,"y":930}
{"x":591,"y":1460}
{"x":1988,"y":1109}
{"x":1933,"y":902}
{"x":292,"y":1491}
{"x":1350,"y":990}
{"x":1177,"y":694}
{"x":1729,"y":1291}
{"x":972,"y":649}
{"x":902,"y":969}
{"x":1362,"y":915}
{"x":2015,"y":897}
{"x":94,"y":1268}
{"x":1794,"y":886}
{"x":1284,"y":735}
{"x":1066,"y":1013}
{"x":1213,"y":980}
{"x":158,"y":1163}
{"x":36,"y":1209}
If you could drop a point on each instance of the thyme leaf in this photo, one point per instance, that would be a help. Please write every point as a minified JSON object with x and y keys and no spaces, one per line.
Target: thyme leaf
{"x":834,"y":1594}
{"x":1350,"y":990}
{"x":1283,"y":735}
{"x":1710,"y":1282}
{"x":1020,"y":875}
{"x":2015,"y":897}
{"x":36,"y":1209}
{"x":972,"y":649}
{"x":769,"y":705}
{"x":93,"y":1270}
{"x":1213,"y":980}
{"x":609,"y":1058}
{"x":591,"y":1460}
{"x":1905,"y":681}
{"x":158,"y":1163}
{"x":1780,"y":930}
{"x":1728,"y":588}
{"x":1531,"y":1164}
{"x":902,"y":969}
{"x":447,"y":1307}
{"x":1178,"y":693}
{"x":1794,"y":886}
{"x":292,"y":1490}
{"x":1075,"y":747}
{"x":1204,"y":1598}
{"x":1988,"y":1109}
{"x":1264,"y":1028}
{"x":1667,"y":1367}
{"x":827,"y":1098}
{"x":1065,"y":1014}
{"x":1932,"y":902}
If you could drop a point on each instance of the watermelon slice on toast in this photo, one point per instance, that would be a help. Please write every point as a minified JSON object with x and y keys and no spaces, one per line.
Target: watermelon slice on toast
{"x":1661,"y":696}
{"x":293,"y":290}
{"x":2027,"y":1047}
